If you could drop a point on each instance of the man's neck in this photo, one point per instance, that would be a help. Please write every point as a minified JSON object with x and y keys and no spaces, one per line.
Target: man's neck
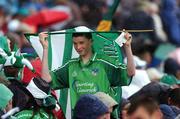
{"x":86,"y":57}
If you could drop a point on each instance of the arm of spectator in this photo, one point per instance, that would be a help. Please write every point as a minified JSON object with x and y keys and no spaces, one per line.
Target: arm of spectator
{"x":45,"y":71}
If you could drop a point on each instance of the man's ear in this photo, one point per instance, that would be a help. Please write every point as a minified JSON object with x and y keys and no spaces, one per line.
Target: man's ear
{"x":157,"y":114}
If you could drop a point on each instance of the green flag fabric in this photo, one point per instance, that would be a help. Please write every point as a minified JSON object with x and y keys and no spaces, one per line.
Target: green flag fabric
{"x":61,"y":50}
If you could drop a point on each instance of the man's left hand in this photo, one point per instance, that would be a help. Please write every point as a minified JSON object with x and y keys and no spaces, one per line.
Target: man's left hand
{"x":128,"y":37}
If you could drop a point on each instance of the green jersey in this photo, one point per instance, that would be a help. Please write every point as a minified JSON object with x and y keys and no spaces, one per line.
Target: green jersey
{"x":101,"y":73}
{"x":28,"y":114}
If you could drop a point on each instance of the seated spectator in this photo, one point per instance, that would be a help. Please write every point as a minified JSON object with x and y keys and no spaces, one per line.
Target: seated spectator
{"x":158,"y":91}
{"x":43,"y":103}
{"x":171,"y":67}
{"x":125,"y":104}
{"x":144,"y":108}
{"x":90,"y":107}
{"x":5,"y":99}
{"x":170,"y":80}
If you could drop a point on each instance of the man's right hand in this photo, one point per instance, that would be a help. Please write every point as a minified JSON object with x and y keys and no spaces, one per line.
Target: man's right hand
{"x":43,"y":39}
{"x":45,"y":71}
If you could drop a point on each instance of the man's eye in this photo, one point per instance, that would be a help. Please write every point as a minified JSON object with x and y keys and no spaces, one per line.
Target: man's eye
{"x":81,"y":43}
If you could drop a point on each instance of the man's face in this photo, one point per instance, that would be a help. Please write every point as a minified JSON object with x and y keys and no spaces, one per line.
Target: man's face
{"x":105,"y":116}
{"x":9,"y":106}
{"x":82,"y":45}
{"x":140,"y":113}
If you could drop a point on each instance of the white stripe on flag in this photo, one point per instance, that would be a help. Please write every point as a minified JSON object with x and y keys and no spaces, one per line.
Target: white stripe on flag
{"x":37,"y":45}
{"x":68,"y":106}
{"x":57,"y":45}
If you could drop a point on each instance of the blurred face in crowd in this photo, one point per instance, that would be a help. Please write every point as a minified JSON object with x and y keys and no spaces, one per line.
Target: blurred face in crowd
{"x":147,"y":57}
{"x":142,"y":113}
{"x":9,"y":106}
{"x":105,"y":116}
{"x":82,"y":45}
{"x":178,"y":74}
{"x":124,"y":111}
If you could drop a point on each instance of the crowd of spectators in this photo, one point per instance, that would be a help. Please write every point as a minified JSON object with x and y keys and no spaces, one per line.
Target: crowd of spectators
{"x":155,"y":89}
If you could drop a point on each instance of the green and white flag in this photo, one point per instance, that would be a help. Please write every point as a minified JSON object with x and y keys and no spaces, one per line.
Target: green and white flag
{"x":61,"y":50}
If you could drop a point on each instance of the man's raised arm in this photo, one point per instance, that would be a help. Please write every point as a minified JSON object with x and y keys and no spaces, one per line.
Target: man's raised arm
{"x":129,"y":55}
{"x":45,"y":71}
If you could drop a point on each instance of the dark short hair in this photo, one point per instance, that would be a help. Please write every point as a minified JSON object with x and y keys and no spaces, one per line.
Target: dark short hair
{"x":86,"y":35}
{"x":171,"y":66}
{"x":11,"y":71}
{"x":148,"y":103}
{"x":174,"y":96}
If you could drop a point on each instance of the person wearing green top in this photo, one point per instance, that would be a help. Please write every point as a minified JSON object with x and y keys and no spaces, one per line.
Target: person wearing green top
{"x":91,"y":72}
{"x":5,"y":99}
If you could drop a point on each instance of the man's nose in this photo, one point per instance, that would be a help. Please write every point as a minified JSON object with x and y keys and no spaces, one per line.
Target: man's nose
{"x":78,"y":46}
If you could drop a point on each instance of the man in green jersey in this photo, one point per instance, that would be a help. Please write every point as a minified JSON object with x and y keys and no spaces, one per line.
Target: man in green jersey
{"x":91,"y":72}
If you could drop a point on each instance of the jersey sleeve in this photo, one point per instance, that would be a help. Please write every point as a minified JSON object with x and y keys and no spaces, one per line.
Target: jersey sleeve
{"x":60,"y":77}
{"x":116,"y":71}
{"x":117,"y":75}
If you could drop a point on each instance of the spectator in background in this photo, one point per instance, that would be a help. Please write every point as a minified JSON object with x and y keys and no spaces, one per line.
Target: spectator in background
{"x":158,"y":91}
{"x":90,"y":107}
{"x":153,"y":11}
{"x":74,"y":12}
{"x":171,"y":67}
{"x":15,"y":43}
{"x":145,"y":50}
{"x":125,"y":104}
{"x":140,"y":19}
{"x":170,"y":20}
{"x":92,"y":11}
{"x":42,"y":102}
{"x":170,"y":80}
{"x":5,"y":99}
{"x":144,"y":108}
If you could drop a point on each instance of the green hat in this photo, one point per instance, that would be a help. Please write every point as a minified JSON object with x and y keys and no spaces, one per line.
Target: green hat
{"x":170,"y":80}
{"x":14,"y":59}
{"x":5,"y":96}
